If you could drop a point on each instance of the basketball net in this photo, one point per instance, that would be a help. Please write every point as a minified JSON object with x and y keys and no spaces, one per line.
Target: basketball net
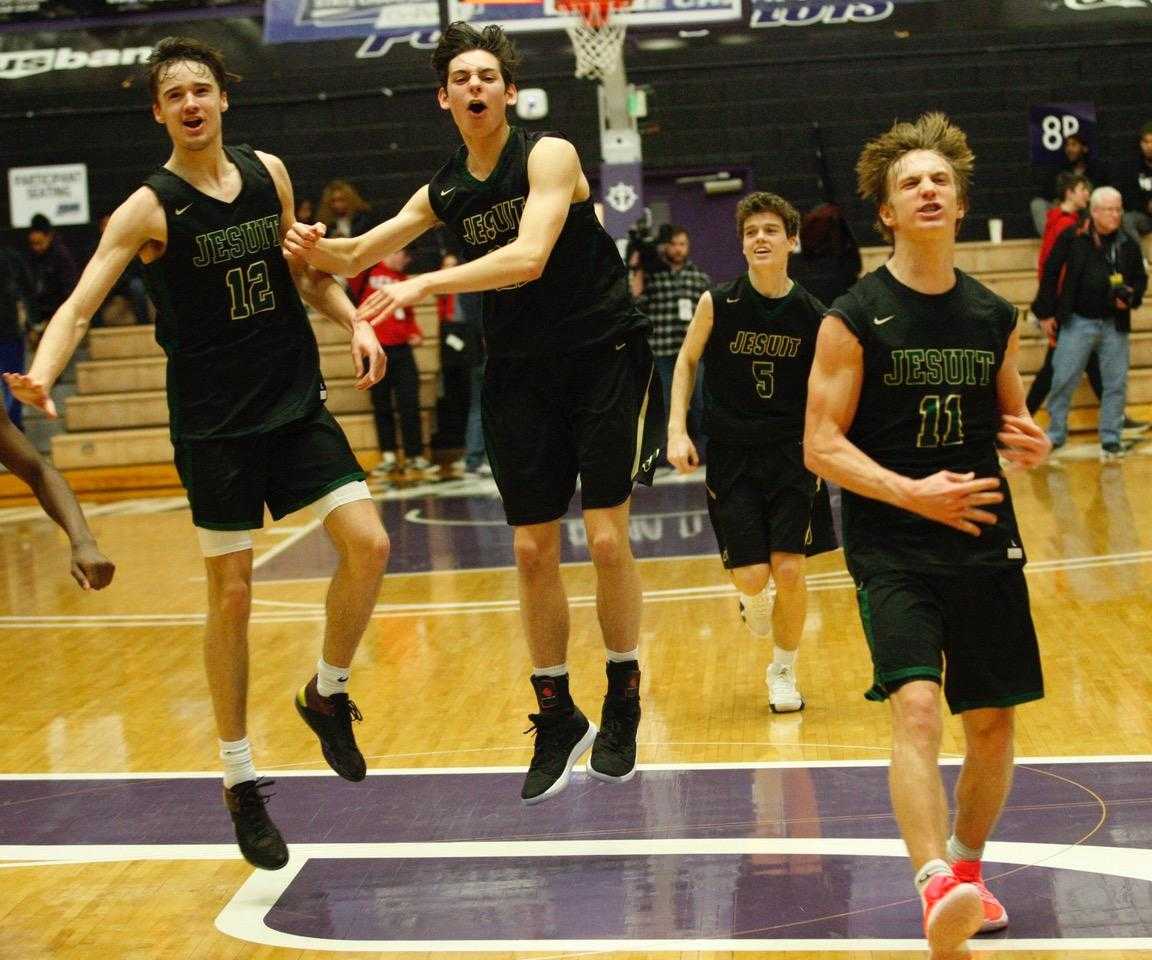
{"x":597,"y":38}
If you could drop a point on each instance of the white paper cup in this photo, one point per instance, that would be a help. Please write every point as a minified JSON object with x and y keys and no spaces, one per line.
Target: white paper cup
{"x":996,"y":230}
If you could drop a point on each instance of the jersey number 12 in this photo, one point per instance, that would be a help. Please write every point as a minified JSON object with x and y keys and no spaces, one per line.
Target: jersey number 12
{"x":249,"y":292}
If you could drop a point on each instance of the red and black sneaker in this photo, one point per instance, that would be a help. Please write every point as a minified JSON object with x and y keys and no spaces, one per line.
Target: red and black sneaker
{"x":260,"y":842}
{"x":331,"y":720}
{"x":952,"y":913}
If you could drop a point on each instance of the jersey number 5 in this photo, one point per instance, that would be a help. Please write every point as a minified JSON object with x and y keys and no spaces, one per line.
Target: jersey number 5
{"x":765,"y":382}
{"x":930,"y":434}
{"x":249,"y":294}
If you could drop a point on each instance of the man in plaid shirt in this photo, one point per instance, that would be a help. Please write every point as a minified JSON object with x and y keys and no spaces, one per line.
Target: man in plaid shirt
{"x":669,"y":299}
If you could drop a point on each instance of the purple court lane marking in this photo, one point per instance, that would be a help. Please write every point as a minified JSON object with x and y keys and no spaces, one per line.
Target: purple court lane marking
{"x":439,"y":532}
{"x":677,"y":855}
{"x":1047,"y":806}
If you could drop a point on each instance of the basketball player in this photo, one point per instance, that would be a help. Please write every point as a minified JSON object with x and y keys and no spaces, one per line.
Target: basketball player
{"x":90,"y":568}
{"x":245,"y":399}
{"x":914,"y":383}
{"x":568,"y":386}
{"x":757,"y":336}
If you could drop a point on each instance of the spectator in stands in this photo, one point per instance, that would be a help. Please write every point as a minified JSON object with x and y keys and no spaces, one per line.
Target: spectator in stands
{"x":130,"y":286}
{"x":1076,"y":160}
{"x":455,"y":367}
{"x":53,"y":269}
{"x":828,"y":261}
{"x":669,"y":298}
{"x":1103,"y":282}
{"x":305,"y":210}
{"x":1136,"y":186}
{"x":17,"y":311}
{"x":397,"y":334}
{"x":1074,"y":190}
{"x":343,"y":211}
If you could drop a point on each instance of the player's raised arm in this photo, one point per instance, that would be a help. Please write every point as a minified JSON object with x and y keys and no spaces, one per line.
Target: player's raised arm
{"x":1023,"y":442}
{"x":321,"y":292}
{"x":682,"y":452}
{"x":136,"y":223}
{"x":348,"y":256}
{"x":954,"y":499}
{"x":553,"y":173}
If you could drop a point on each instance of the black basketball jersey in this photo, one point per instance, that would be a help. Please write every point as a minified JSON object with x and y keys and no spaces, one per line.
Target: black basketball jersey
{"x":582,"y":297}
{"x":928,"y":402}
{"x":757,"y":361}
{"x":242,"y":358}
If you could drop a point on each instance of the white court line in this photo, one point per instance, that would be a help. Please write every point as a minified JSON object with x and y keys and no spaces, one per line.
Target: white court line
{"x":656,"y":767}
{"x":243,"y":917}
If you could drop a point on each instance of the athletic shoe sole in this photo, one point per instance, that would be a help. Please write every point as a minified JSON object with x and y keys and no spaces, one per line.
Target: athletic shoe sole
{"x":785,"y":708}
{"x":582,"y":746}
{"x":608,"y":778}
{"x":957,"y":916}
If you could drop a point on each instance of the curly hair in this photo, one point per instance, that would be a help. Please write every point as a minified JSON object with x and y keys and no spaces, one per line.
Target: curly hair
{"x":880,"y":157}
{"x":461,"y":37}
{"x":172,"y":50}
{"x":764,"y":202}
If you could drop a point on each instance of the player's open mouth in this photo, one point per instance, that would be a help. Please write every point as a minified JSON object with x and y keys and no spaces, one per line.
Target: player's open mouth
{"x":194,"y":124}
{"x":931,"y":208}
{"x":477,"y":106}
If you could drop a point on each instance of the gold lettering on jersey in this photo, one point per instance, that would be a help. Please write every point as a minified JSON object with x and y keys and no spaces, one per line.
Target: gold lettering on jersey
{"x":238,"y":242}
{"x":917,"y":368}
{"x":753,"y":344}
{"x":495,"y":223}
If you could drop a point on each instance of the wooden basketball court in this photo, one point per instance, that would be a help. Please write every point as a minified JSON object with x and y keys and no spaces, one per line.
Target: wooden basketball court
{"x":107,"y":686}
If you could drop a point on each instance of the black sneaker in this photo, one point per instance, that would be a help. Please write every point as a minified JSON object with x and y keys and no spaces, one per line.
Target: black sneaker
{"x":614,"y":752}
{"x":260,"y":842}
{"x":1134,"y":429}
{"x":1112,"y":451}
{"x":331,"y":720}
{"x":561,"y":738}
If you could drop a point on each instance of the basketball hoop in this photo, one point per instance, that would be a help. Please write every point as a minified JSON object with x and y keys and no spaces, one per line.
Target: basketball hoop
{"x":597,"y":38}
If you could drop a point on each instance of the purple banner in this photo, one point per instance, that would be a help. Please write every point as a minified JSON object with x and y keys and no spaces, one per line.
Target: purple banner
{"x":1050,"y":124}
{"x":622,"y":197}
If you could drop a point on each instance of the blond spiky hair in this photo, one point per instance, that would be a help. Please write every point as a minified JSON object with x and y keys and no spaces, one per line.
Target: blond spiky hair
{"x":931,"y":131}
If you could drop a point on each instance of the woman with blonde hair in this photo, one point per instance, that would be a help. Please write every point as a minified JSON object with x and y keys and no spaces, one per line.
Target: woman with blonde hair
{"x":343,"y":211}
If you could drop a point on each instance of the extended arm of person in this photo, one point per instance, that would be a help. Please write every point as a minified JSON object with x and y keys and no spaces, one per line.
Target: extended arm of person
{"x":1022,"y":441}
{"x":681,"y":450}
{"x":834,"y":385}
{"x":348,"y":256}
{"x":321,"y":292}
{"x":133,"y":225}
{"x":90,"y":568}
{"x":553,"y":171}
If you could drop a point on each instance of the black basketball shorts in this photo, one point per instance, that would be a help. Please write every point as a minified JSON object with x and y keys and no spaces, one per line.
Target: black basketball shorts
{"x":763,"y":500}
{"x":597,"y":415}
{"x":973,"y":630}
{"x":230,"y":481}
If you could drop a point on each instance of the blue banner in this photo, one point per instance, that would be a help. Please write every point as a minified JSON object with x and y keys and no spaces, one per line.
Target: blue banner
{"x":286,"y":21}
{"x":622,"y":197}
{"x":1050,"y":124}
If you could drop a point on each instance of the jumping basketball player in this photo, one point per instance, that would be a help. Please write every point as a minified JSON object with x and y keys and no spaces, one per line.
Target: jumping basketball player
{"x":245,"y":399}
{"x":569,"y":388}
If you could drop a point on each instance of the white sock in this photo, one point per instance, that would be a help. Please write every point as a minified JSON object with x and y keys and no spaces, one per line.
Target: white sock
{"x":330,"y":679}
{"x":557,"y":671}
{"x":758,"y":612}
{"x":237,"y":757}
{"x":928,"y":871}
{"x":783,"y":658}
{"x":957,"y":851}
{"x":615,"y":656}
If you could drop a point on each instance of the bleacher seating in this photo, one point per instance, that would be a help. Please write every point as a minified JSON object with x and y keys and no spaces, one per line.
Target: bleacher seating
{"x":119,"y":416}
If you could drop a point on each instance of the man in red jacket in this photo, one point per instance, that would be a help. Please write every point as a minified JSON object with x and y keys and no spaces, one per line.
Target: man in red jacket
{"x":397,"y":334}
